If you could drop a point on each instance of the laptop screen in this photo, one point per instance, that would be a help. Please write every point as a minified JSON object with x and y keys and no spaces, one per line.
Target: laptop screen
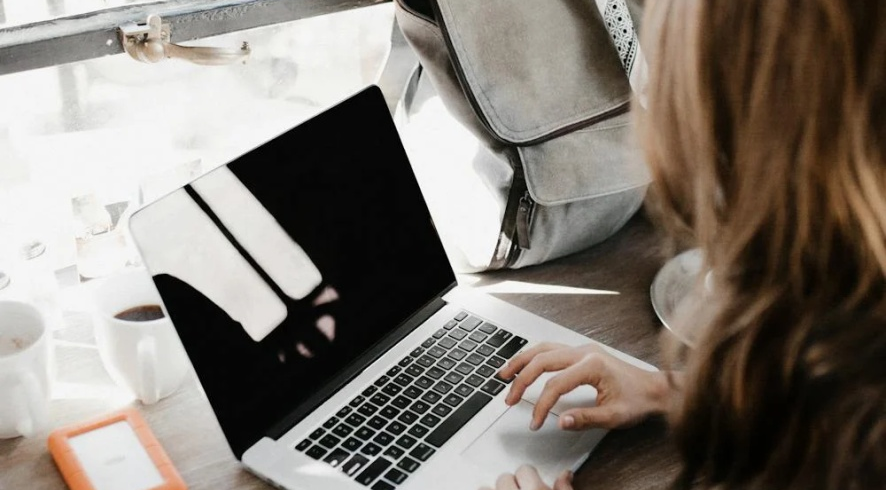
{"x":281,"y":268}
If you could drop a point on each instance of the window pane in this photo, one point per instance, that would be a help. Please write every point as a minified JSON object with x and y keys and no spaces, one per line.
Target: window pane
{"x":82,"y":145}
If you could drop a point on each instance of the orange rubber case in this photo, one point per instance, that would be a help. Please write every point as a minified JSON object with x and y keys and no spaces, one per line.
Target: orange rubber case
{"x":75,"y":475}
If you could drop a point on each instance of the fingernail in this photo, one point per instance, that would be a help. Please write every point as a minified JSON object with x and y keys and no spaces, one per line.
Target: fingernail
{"x":569,"y":476}
{"x":534,"y":425}
{"x":568,"y":421}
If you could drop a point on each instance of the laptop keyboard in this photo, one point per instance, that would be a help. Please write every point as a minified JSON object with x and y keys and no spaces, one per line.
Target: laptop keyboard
{"x":399,"y":421}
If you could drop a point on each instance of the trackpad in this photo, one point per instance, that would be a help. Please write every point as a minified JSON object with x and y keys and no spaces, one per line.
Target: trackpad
{"x":508,"y":443}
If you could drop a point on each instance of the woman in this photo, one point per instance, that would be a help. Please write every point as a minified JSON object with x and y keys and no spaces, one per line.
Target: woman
{"x":776,"y":168}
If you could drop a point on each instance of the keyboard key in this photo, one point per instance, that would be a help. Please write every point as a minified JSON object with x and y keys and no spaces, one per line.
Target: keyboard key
{"x":436,"y":352}
{"x":488,"y":328}
{"x":406,"y":441}
{"x":446,"y":363}
{"x":370,"y":449}
{"x":431,"y":397}
{"x":474,"y":380}
{"x":383,"y":439}
{"x":395,"y":428}
{"x":471,"y":323}
{"x":381,"y":381}
{"x":457,"y":354}
{"x":370,"y":390}
{"x":464,"y":368}
{"x":512,"y":347}
{"x":417,"y":352}
{"x":461,"y":316}
{"x":377,"y":422}
{"x":352,"y":444}
{"x":430,"y":420}
{"x":485,"y":350}
{"x":499,"y":338}
{"x":485,"y":371}
{"x":357,"y":401}
{"x":355,"y":464}
{"x":414,"y":370}
{"x":394,"y":452}
{"x":329,"y":441}
{"x":439,"y":333}
{"x":458,"y":334}
{"x":405,"y":362}
{"x":493,"y":387}
{"x":447,"y":343}
{"x":427,"y":343}
{"x":407,"y":417}
{"x":330,"y":423}
{"x":442,"y":410}
{"x":412,"y":392}
{"x":453,"y":377}
{"x":401,"y":402}
{"x":316,"y":452}
{"x":342,"y":430}
{"x":408,"y":464}
{"x":380,"y":399}
{"x":381,"y":485}
{"x":365,"y":433}
{"x":442,"y":387}
{"x":393,"y":371}
{"x":343,"y":412}
{"x":392,"y":389}
{"x":425,"y":361}
{"x":478,"y":337}
{"x":317,"y":434}
{"x":303,"y":445}
{"x":450,"y":325}
{"x":337,"y":457}
{"x":389,"y":413}
{"x":496,"y":362}
{"x":355,"y":419}
{"x":422,"y":452}
{"x":395,"y":476}
{"x":453,"y":400}
{"x":373,"y":471}
{"x":435,"y":372}
{"x":475,"y":359}
{"x":458,"y":419}
{"x":418,"y":431}
{"x":464,"y":390}
{"x":368,"y":409}
{"x":467,"y":345}
{"x":403,"y":380}
{"x":424,"y":382}
{"x":420,"y":407}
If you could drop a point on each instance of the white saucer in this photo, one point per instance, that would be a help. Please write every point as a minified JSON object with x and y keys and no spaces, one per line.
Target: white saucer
{"x":672,"y":284}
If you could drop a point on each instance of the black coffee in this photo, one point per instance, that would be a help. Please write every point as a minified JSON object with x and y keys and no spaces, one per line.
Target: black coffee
{"x":142,"y":313}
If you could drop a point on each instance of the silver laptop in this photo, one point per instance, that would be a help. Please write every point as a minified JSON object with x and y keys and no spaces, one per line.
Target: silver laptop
{"x":319,"y":310}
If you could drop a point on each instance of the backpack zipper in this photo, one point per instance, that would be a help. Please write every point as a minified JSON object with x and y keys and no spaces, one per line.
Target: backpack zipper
{"x":524,"y":219}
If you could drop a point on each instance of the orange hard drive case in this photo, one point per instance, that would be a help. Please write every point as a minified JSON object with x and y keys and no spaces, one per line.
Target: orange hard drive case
{"x":73,"y":472}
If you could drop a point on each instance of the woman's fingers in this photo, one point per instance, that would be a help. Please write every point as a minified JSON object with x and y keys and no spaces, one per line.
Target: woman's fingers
{"x":564,"y":482}
{"x":586,"y":371}
{"x":528,"y":479}
{"x":520,"y":361}
{"x":603,"y":417}
{"x":553,"y":360}
{"x":506,"y":481}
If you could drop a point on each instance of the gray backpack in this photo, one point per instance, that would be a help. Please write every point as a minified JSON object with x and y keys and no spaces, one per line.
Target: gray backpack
{"x":535,"y":89}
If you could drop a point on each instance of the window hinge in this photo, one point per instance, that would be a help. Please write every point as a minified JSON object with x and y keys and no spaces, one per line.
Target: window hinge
{"x":149,"y":43}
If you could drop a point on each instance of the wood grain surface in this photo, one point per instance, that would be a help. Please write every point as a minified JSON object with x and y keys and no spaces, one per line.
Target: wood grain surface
{"x":624,"y":266}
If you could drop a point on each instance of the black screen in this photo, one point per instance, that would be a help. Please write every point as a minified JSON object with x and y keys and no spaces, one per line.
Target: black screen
{"x":341,"y":187}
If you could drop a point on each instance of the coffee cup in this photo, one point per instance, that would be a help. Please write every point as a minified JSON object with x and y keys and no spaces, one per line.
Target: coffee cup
{"x":137,"y":342}
{"x":24,"y":369}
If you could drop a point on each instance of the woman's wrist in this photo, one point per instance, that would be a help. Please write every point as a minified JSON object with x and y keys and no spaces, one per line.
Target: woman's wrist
{"x":661,"y":390}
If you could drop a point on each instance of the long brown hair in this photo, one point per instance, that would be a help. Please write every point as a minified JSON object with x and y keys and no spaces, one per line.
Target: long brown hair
{"x":766,"y":133}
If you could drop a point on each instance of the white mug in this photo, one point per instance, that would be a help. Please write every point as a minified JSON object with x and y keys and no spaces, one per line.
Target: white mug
{"x":24,"y":369}
{"x":144,"y":356}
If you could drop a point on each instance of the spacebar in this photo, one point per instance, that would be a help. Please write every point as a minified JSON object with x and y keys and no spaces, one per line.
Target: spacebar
{"x":458,"y":419}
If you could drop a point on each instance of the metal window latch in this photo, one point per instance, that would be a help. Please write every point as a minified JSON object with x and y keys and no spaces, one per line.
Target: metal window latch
{"x":149,"y":43}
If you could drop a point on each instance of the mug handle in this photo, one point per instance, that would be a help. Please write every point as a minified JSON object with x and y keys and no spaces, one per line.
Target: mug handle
{"x":147,"y":369}
{"x":26,"y":397}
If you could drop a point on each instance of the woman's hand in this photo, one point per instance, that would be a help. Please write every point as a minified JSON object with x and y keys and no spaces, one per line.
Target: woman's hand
{"x":626,"y":395}
{"x":526,"y":478}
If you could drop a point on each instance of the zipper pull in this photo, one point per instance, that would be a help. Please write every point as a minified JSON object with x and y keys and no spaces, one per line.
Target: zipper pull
{"x":524,"y":214}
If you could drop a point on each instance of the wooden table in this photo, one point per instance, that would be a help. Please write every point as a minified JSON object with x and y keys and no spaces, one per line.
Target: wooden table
{"x":638,"y":458}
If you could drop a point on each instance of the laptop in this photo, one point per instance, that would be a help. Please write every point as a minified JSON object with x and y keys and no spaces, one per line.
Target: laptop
{"x":317,"y":305}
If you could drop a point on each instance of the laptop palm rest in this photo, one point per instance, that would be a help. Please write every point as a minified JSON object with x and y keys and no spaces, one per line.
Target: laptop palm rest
{"x":508,"y":443}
